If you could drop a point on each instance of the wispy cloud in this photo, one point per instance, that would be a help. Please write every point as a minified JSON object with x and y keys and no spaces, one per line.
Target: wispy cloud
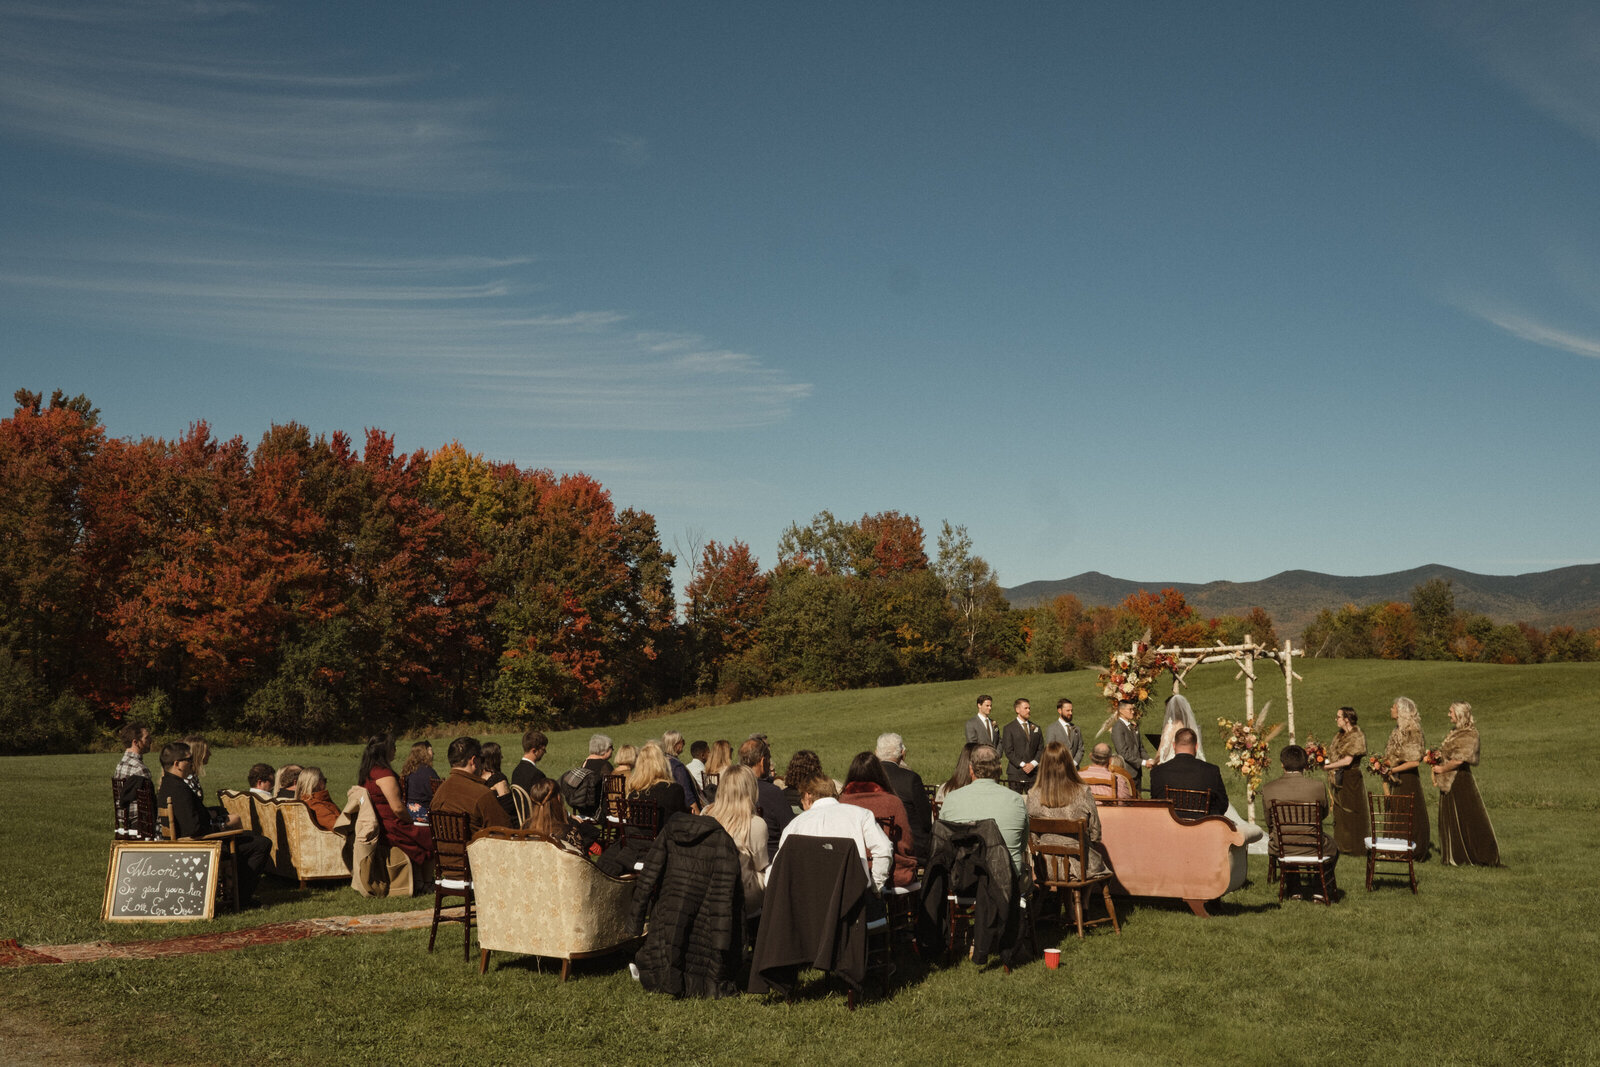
{"x":179,"y":84}
{"x":1541,"y":334}
{"x":1547,"y":52}
{"x":471,"y":329}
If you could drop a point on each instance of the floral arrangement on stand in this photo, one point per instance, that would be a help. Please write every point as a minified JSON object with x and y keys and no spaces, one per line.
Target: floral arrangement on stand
{"x":1316,"y":753}
{"x":1131,"y":676}
{"x":1247,"y":742}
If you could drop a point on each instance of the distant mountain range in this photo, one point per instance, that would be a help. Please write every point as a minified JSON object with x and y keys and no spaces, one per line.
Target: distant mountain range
{"x":1567,"y":596}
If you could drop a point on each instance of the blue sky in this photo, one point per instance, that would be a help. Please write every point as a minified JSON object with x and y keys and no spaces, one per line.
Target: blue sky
{"x":1170,"y":291}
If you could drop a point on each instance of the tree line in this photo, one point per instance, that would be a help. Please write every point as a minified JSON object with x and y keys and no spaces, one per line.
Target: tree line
{"x":310,"y":590}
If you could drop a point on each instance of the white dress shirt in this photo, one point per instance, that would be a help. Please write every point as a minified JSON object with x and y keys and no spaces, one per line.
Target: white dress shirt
{"x":828,"y":818}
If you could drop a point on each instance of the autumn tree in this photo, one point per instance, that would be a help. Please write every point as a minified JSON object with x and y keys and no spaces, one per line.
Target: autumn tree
{"x":983,"y":633}
{"x":723,"y":606}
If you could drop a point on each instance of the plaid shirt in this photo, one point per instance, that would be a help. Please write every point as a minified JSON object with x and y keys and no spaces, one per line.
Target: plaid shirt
{"x":132,"y":766}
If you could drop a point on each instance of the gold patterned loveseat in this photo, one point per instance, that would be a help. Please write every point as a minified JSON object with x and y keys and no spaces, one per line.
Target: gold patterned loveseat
{"x":536,"y":897}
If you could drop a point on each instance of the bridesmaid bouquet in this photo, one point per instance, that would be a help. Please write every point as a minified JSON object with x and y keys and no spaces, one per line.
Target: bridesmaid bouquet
{"x":1378,"y":765}
{"x":1432,"y":757}
{"x":1316,"y":753}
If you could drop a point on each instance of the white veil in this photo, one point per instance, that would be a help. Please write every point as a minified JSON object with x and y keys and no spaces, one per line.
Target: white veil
{"x":1179,"y":715}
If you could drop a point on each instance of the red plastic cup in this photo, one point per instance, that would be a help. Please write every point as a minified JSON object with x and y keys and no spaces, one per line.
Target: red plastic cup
{"x":1052,"y":958}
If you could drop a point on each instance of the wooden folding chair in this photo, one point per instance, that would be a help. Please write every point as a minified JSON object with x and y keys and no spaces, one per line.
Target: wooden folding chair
{"x":1392,"y":840}
{"x":452,"y":874}
{"x":1302,"y":848}
{"x":1053,"y":867}
{"x":1189,"y":804}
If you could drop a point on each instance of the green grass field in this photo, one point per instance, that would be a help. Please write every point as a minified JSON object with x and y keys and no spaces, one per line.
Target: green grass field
{"x":1484,"y":966}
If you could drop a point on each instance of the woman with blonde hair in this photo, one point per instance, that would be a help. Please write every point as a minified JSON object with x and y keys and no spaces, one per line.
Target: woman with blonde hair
{"x":199,"y":756}
{"x":650,"y":778}
{"x":1060,"y":793}
{"x":625,"y":758}
{"x":735,"y":809}
{"x":312,"y":788}
{"x":1466,"y":837}
{"x":1404,"y":754}
{"x":719,"y":761}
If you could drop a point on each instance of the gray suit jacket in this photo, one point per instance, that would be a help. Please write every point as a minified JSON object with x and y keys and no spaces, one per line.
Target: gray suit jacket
{"x":1022,"y":745}
{"x":1126,"y":742}
{"x":1068,"y":734}
{"x":983,"y":732}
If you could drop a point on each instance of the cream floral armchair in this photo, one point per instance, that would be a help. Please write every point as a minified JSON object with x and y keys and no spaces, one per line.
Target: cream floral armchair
{"x":538,"y":898}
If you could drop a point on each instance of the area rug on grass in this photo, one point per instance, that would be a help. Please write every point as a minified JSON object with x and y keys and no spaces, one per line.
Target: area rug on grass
{"x":13,"y":954}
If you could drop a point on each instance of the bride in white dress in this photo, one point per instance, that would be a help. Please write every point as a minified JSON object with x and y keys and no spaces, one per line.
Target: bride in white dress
{"x":1179,"y":715}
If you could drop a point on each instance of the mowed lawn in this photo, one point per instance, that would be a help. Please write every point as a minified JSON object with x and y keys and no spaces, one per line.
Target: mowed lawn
{"x":1484,"y":966}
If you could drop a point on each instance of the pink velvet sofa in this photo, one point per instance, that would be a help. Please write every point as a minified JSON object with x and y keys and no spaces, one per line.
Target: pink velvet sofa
{"x":1155,"y":855}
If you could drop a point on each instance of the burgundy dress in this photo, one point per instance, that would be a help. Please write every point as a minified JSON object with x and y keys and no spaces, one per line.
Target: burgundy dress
{"x":415,"y":841}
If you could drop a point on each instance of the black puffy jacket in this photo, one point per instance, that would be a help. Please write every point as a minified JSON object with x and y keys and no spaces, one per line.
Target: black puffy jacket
{"x":691,"y":891}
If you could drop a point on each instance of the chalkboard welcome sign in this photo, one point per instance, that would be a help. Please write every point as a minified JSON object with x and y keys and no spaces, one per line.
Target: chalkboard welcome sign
{"x":161,"y":881}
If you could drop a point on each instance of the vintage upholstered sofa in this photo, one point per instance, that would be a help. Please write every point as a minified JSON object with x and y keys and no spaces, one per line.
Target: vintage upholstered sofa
{"x":538,"y":898}
{"x":303,"y":849}
{"x":1155,"y":855}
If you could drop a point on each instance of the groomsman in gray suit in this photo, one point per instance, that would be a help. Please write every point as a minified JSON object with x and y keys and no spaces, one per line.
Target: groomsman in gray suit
{"x":1064,"y":731}
{"x":981,"y":728}
{"x":1022,"y":742}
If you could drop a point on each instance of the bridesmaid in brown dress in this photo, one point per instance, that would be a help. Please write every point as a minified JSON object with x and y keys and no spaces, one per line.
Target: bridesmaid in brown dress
{"x":1465,"y":836}
{"x":1404,"y":754}
{"x":1346,"y":784}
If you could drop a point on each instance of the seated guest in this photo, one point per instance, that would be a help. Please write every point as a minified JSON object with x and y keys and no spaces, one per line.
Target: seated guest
{"x":624,"y":760}
{"x":418,"y":775}
{"x":190,"y":819}
{"x":1185,"y":770}
{"x":464,"y":791}
{"x":583,"y":787}
{"x":1104,"y":782}
{"x":200,"y":754}
{"x":651,"y":779}
{"x":1294,"y":787}
{"x":672,"y":745}
{"x":961,"y":776}
{"x":312,"y":788}
{"x":288,"y":780}
{"x":697,"y":764}
{"x":804,"y":765}
{"x":866,"y":786}
{"x":720,"y":759}
{"x":383,"y":790}
{"x":494,"y":780}
{"x":549,"y":817}
{"x":907,"y":785}
{"x":735,"y":809}
{"x":824,"y":816}
{"x":1059,"y":793}
{"x":985,"y":798}
{"x":527,"y":770}
{"x":774,"y":807}
{"x":262,"y":780}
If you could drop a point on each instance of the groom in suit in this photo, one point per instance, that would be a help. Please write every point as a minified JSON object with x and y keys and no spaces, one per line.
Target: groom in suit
{"x":981,"y":728}
{"x":1022,"y":741}
{"x":1127,"y":743}
{"x":1064,"y":731}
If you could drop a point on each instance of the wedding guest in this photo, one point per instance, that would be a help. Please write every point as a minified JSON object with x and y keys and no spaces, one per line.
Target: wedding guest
{"x":200,"y":753}
{"x":735,"y":809}
{"x":262,"y":780}
{"x":1350,"y":819}
{"x":549,"y":817}
{"x":651,"y":779}
{"x":866,"y":786}
{"x":625,"y":758}
{"x":526,"y":772}
{"x":190,"y":819}
{"x":985,"y":798}
{"x":1103,"y":781}
{"x":1466,"y":837}
{"x":1059,"y":792}
{"x":961,"y":776}
{"x":383,"y":790}
{"x":136,"y":742}
{"x":419,"y":776}
{"x":672,"y":745}
{"x":494,"y":780}
{"x":288,"y":776}
{"x":697,"y":764}
{"x":1293,"y":787}
{"x":907,"y":785}
{"x":1404,"y":754}
{"x":823,"y":816}
{"x":312,"y":788}
{"x":1186,"y":770}
{"x":720,"y":759}
{"x":774,"y":808}
{"x":803,"y":766}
